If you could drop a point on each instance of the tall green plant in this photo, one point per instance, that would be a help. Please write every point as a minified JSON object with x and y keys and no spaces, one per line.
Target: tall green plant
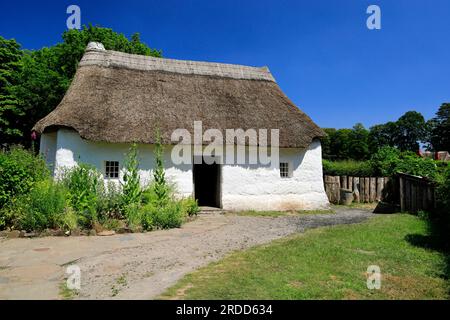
{"x":161,"y":187}
{"x":131,"y":181}
{"x":84,"y":185}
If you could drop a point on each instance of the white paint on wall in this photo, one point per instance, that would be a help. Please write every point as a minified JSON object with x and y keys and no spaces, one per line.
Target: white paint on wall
{"x":48,"y":148}
{"x":262,"y":188}
{"x":244,"y":187}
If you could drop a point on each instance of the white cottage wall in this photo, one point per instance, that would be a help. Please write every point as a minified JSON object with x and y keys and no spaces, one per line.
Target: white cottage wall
{"x":244,"y":187}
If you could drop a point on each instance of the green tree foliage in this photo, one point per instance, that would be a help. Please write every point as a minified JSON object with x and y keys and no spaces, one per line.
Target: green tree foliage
{"x":346,"y":143}
{"x":10,"y":65}
{"x":410,"y":131}
{"x":439,"y":129}
{"x":32,"y":83}
{"x":358,"y":143}
{"x":381,"y":135}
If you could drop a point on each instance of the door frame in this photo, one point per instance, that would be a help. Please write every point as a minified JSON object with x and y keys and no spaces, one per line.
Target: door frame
{"x":219,"y":165}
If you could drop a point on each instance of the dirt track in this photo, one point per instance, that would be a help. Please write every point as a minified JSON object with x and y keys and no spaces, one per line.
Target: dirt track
{"x":142,"y":266}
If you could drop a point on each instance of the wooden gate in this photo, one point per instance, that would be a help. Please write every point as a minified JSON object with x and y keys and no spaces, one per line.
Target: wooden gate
{"x":416,"y":193}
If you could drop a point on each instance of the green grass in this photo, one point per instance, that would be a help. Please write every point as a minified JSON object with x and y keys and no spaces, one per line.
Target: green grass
{"x":274,"y":214}
{"x":65,"y":293}
{"x":327,"y":263}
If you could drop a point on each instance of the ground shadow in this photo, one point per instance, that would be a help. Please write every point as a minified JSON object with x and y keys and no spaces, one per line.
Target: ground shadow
{"x":437,"y":239}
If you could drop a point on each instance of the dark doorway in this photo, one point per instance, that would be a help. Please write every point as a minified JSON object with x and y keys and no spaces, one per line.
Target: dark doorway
{"x":207,"y":184}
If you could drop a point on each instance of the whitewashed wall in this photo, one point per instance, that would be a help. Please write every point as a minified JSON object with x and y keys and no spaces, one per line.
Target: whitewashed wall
{"x":262,"y":188}
{"x":244,"y":187}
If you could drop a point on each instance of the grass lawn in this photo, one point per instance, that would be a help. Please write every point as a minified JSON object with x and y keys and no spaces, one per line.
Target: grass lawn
{"x":327,"y":263}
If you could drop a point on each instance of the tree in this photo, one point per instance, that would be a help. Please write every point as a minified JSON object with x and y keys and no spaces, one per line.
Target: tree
{"x":439,"y":129}
{"x":44,"y":76}
{"x":326,"y":143}
{"x":381,"y":135}
{"x":358,"y":147}
{"x":10,"y":56}
{"x":411,"y":129}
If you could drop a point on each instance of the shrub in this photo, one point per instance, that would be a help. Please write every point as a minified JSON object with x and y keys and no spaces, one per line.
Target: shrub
{"x":162,"y":217}
{"x":109,"y":202}
{"x":83,"y":183}
{"x":43,"y":207}
{"x":19,"y":171}
{"x":133,"y":214}
{"x":389,"y":161}
{"x":348,"y":168}
{"x":68,"y":220}
{"x":384,"y":162}
{"x":189,"y":206}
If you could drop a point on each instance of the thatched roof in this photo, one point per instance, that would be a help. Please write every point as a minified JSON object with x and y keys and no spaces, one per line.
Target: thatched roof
{"x":118,"y":97}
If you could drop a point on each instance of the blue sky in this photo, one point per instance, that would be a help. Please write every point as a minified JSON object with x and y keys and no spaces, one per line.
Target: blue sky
{"x":321,"y":52}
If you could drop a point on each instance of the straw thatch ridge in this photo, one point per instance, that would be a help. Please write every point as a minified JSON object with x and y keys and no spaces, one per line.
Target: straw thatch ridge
{"x":118,"y":104}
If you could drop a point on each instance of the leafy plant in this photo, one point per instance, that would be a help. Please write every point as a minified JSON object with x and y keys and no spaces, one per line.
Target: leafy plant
{"x":43,"y":207}
{"x":162,"y":217}
{"x":19,"y":171}
{"x":83,"y":183}
{"x":133,"y":214}
{"x":190,"y":206}
{"x":161,"y":187}
{"x":109,"y":204}
{"x":131,"y":188}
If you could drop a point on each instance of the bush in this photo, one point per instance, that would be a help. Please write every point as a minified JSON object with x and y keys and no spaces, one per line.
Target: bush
{"x":348,"y":168}
{"x":43,"y":207}
{"x":133,"y":214}
{"x":109,"y":202}
{"x":162,"y":217}
{"x":84,"y":185}
{"x":189,"y":206}
{"x":389,"y":161}
{"x":385,"y":161}
{"x":19,"y":171}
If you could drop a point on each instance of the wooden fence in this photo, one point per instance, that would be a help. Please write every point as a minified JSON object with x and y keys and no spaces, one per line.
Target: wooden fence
{"x":365,"y":189}
{"x":415,"y":193}
{"x":409,"y":193}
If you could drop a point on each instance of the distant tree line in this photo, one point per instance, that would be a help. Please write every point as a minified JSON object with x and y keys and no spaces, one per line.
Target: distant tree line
{"x":32,"y":83}
{"x":408,"y":133}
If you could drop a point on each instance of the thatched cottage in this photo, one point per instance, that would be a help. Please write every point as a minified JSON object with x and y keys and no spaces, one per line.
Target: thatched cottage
{"x":116,"y":99}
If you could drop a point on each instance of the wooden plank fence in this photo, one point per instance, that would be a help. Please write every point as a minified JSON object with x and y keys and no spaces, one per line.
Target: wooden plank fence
{"x":415,"y":193}
{"x":365,"y":189}
{"x":410,"y":193}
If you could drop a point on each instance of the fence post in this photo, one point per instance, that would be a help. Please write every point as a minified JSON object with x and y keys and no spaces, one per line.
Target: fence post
{"x":380,"y":185}
{"x":367,"y":190}
{"x":344,"y":182}
{"x":356,"y":189}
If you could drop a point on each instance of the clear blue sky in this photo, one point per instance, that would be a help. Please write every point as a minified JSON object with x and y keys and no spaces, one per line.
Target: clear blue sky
{"x":320,"y":51}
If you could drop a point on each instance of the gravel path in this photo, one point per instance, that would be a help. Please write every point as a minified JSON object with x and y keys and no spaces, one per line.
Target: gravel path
{"x":142,"y":266}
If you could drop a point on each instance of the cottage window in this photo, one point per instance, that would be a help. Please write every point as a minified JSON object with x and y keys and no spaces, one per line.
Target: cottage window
{"x":284,"y":170}
{"x":111,"y":169}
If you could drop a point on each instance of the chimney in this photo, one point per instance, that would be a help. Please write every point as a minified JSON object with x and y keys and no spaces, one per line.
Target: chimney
{"x":95,"y":46}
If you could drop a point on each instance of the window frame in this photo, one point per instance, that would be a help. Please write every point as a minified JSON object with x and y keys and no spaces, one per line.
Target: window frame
{"x":285,"y":170}
{"x":111,"y":165}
